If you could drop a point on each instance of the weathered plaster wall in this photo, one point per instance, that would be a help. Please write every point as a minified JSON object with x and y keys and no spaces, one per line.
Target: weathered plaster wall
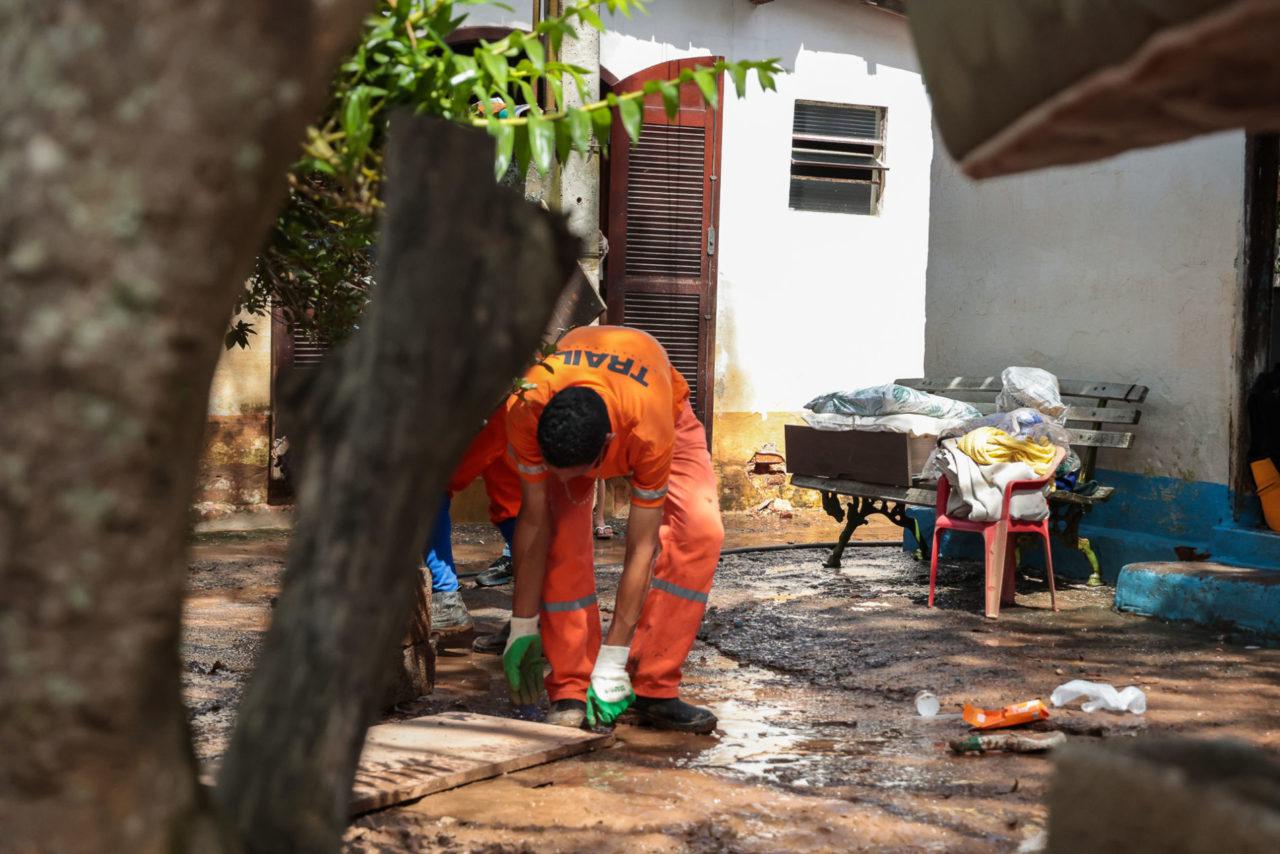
{"x":233,"y":470}
{"x":1121,"y":270}
{"x":807,"y":302}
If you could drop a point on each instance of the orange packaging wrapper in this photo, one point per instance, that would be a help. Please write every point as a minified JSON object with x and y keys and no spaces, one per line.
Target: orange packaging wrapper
{"x":1018,"y":713}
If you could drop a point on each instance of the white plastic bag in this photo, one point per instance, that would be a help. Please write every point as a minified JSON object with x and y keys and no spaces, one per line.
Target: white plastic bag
{"x":1031,"y":387}
{"x":1100,"y":696}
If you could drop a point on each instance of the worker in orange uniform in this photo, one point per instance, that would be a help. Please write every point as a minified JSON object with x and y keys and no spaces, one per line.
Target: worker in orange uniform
{"x":612,"y":406}
{"x":486,"y":458}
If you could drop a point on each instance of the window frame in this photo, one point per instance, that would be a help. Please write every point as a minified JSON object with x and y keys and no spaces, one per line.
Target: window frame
{"x":875,"y":155}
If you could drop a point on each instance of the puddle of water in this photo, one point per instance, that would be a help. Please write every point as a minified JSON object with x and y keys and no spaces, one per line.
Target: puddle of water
{"x":749,"y":744}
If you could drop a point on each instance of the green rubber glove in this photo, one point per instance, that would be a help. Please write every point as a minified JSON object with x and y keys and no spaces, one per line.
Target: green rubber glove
{"x":522,"y":661}
{"x":610,"y":693}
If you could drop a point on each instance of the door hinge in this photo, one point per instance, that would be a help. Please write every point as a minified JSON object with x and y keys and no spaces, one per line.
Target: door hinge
{"x":711,"y":240}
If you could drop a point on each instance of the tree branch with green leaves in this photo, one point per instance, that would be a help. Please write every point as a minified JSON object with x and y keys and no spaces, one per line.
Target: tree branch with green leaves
{"x":317,"y":266}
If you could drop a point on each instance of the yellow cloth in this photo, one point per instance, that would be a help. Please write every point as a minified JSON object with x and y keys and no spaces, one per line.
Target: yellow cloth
{"x":990,"y":445}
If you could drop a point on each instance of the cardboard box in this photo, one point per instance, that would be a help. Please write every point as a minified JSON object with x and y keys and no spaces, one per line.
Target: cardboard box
{"x":892,"y":459}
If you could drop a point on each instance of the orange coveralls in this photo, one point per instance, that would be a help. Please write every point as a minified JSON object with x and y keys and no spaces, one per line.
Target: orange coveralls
{"x":662,"y":447}
{"x":486,"y":457}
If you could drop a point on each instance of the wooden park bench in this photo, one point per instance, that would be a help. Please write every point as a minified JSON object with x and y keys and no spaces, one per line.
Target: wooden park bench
{"x":1095,"y":409}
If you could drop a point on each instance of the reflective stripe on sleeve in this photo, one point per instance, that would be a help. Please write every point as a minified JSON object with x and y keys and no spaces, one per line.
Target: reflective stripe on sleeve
{"x":521,"y":467}
{"x":648,"y":494}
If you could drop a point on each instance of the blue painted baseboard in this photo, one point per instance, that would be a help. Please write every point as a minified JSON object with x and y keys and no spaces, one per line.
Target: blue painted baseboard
{"x":1209,"y":594}
{"x":1143,"y":522}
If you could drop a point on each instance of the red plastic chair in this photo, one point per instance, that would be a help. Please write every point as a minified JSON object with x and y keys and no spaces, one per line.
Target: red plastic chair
{"x":1001,"y":560}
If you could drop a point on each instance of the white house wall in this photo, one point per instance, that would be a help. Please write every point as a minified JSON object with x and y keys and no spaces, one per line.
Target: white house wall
{"x":807,"y":302}
{"x":1123,"y":270}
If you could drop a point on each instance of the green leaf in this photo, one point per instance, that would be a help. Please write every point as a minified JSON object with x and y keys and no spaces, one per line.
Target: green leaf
{"x":520,"y":148}
{"x":589,"y":16}
{"x":601,"y":123}
{"x":579,"y":129}
{"x":542,"y":141}
{"x":537,"y":56}
{"x":738,"y":73}
{"x":670,"y":98}
{"x":496,"y":66}
{"x":631,"y":113}
{"x":707,"y":85}
{"x":557,"y":89}
{"x":564,"y":140}
{"x":505,"y":139}
{"x":766,"y":80}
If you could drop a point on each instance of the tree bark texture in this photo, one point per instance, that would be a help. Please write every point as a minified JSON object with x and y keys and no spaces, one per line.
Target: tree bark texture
{"x":468,"y":274}
{"x":143,"y":147}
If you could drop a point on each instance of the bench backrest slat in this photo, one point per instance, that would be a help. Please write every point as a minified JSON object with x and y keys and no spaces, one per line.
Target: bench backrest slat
{"x":1101,"y":439}
{"x":1123,"y":392}
{"x":1082,"y":414}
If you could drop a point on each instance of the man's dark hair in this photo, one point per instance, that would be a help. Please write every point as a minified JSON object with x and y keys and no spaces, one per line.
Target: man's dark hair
{"x":573,"y":427}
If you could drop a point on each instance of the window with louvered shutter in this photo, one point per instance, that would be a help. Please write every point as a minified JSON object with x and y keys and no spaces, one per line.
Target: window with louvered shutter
{"x":665,"y":180}
{"x":308,"y":350}
{"x":837,"y":158}
{"x":663,"y":202}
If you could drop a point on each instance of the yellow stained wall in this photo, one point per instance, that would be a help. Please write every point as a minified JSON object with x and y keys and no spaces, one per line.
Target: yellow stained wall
{"x":233,"y":470}
{"x":735,"y":438}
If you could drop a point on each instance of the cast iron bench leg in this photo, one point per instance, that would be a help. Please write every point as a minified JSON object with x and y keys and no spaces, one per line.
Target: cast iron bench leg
{"x":858,"y":511}
{"x":851,"y":524}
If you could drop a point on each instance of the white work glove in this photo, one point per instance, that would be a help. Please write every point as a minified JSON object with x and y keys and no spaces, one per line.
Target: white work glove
{"x":610,"y":693}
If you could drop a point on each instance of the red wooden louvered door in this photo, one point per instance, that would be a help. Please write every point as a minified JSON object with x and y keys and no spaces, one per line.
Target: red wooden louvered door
{"x":663,"y":212}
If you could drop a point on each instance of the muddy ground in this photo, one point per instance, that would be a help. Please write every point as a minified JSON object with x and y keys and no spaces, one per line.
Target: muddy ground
{"x":813,"y":673}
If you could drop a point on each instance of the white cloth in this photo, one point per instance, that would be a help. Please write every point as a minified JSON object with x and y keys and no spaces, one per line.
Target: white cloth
{"x":910,"y":424}
{"x":977,"y":492}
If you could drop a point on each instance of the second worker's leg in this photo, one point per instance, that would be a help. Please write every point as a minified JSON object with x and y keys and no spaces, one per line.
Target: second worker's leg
{"x":570,"y":616}
{"x":691,"y":536}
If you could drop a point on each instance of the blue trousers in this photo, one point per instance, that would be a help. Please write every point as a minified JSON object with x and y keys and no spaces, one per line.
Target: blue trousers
{"x":438,"y":554}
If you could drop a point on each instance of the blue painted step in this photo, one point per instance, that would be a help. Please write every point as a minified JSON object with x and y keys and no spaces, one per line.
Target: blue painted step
{"x":1206,"y":593}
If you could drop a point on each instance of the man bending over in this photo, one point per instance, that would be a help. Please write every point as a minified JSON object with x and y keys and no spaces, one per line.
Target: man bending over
{"x":613,"y":406}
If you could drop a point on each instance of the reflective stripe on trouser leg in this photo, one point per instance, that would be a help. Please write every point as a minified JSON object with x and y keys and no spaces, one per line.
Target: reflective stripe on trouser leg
{"x":691,"y":536}
{"x":570,"y":617}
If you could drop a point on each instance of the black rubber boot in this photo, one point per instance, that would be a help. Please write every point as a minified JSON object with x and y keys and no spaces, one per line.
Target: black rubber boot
{"x":495,"y":643}
{"x":674,"y":714}
{"x":498,"y":573}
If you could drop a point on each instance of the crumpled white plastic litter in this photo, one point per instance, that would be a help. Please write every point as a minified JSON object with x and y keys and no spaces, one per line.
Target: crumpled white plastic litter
{"x":1100,"y":696}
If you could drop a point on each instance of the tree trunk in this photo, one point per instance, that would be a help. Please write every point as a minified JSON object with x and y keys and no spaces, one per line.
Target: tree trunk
{"x":143,"y":147}
{"x":468,"y":274}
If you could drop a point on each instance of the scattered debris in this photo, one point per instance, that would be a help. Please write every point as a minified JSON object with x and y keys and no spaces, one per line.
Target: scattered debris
{"x":1010,"y":742}
{"x":767,"y":467}
{"x":1012,"y":715}
{"x":779,"y":507}
{"x":927,"y":704}
{"x":1094,"y":726}
{"x":1100,"y":696}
